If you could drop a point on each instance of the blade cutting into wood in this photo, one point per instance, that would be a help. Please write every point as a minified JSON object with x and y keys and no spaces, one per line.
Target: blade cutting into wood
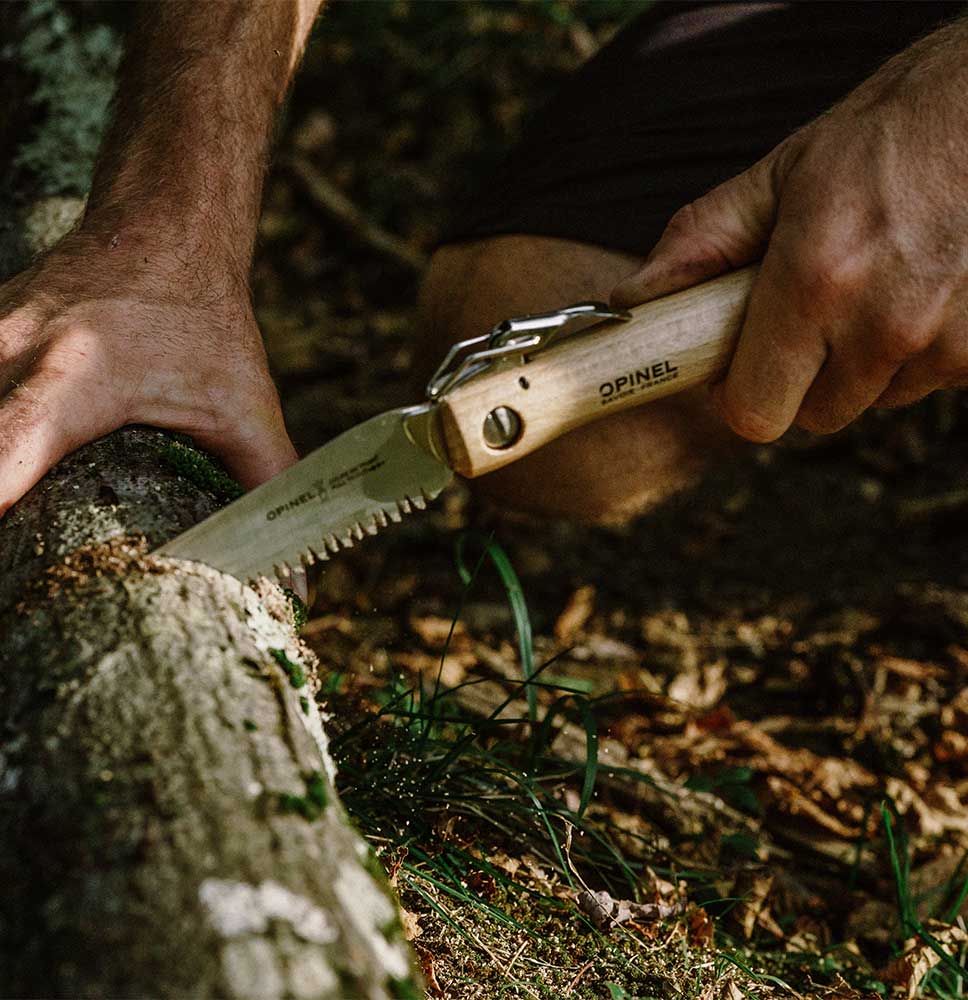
{"x":352,"y":487}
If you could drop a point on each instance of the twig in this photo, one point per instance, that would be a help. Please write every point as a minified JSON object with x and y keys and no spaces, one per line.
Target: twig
{"x":570,"y":988}
{"x":515,"y":957}
{"x":920,"y":509}
{"x":341,"y":209}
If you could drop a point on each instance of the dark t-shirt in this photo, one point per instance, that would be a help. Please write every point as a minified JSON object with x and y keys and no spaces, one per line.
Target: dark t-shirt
{"x":686,"y":96}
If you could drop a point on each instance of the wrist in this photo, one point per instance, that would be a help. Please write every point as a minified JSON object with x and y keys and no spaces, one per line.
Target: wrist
{"x":113,"y":259}
{"x":157,"y":239}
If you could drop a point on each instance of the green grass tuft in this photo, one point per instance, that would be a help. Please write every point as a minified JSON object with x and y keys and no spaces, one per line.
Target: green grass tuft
{"x":947,"y":979}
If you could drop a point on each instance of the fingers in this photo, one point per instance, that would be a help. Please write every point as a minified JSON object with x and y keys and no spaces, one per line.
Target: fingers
{"x":49,"y":415}
{"x":41,"y":420}
{"x":858,"y":370}
{"x":944,"y":365}
{"x":909,"y":384}
{"x":721,"y":231}
{"x":823,"y":341}
{"x":778,"y":355}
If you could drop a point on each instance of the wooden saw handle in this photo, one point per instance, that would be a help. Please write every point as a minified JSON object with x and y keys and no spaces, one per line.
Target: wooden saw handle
{"x":669,"y":345}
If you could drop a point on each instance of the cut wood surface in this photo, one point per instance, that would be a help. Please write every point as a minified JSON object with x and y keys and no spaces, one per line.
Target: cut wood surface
{"x":167,"y":815}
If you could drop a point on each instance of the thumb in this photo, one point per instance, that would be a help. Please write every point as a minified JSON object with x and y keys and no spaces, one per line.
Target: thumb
{"x":721,"y":231}
{"x":253,"y":448}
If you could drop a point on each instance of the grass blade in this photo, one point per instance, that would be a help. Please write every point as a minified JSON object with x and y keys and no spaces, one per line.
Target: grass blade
{"x":519,"y":606}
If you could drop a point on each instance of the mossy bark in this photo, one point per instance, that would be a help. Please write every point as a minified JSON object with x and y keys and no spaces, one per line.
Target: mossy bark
{"x":151,"y":751}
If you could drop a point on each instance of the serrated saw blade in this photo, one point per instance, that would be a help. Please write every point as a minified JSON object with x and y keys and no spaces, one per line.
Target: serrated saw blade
{"x":358,"y":483}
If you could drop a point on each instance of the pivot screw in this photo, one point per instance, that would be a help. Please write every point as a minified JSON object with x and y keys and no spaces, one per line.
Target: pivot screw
{"x":502,"y":427}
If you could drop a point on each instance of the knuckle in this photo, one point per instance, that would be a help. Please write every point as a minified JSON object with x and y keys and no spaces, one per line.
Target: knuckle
{"x":827,"y":280}
{"x":697,"y":240}
{"x":949,"y":357}
{"x":901,"y":336}
{"x":683,"y":222}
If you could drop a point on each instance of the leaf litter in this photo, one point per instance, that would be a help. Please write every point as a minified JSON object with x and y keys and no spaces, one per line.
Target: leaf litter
{"x":761,"y":666}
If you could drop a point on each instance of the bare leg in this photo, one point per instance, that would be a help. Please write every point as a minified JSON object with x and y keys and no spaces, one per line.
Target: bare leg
{"x":605,"y":472}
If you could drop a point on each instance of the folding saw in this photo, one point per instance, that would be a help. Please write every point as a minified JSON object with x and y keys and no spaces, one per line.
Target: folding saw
{"x":493,"y":400}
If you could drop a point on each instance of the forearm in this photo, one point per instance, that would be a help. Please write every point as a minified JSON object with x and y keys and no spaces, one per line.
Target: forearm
{"x":182,"y":164}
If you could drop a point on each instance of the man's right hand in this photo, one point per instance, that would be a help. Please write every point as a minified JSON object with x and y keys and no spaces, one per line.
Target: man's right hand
{"x":111,"y":330}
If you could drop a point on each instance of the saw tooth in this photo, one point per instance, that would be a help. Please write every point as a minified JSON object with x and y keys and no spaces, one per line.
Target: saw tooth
{"x":331,"y":544}
{"x":307,"y":558}
{"x":380,"y":518}
{"x":404,"y":506}
{"x":419,"y":502}
{"x":372,"y":526}
{"x":319,"y":552}
{"x":357,"y":532}
{"x":394,"y":514}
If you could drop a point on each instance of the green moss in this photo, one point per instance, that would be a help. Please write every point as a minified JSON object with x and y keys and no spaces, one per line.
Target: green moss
{"x":316,"y":789}
{"x":296,"y":674}
{"x":300,"y":613}
{"x":310,"y":805}
{"x":304,"y":705}
{"x":199,"y":468}
{"x":249,"y":725}
{"x":405,"y":989}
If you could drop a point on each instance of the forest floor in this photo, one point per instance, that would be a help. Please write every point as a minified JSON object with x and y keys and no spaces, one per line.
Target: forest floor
{"x":742,"y":767}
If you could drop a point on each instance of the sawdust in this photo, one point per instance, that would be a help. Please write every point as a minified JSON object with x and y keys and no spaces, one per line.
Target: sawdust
{"x":114,"y":558}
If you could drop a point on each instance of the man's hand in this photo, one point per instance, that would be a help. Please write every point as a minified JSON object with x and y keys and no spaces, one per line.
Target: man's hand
{"x":97,"y":336}
{"x":143,"y":314}
{"x":861,"y":219}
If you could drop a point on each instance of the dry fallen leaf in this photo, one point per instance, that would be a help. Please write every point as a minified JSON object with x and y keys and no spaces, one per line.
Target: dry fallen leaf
{"x":909,"y":969}
{"x":700,"y":688}
{"x":606,"y":912}
{"x":577,"y":611}
{"x":753,"y":888}
{"x":435,"y":630}
{"x":452,"y":669}
{"x":429,"y":970}
{"x":411,"y":925}
{"x":701,"y":929}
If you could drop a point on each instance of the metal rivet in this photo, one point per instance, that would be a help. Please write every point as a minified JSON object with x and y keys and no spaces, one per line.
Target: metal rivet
{"x":502,"y":427}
